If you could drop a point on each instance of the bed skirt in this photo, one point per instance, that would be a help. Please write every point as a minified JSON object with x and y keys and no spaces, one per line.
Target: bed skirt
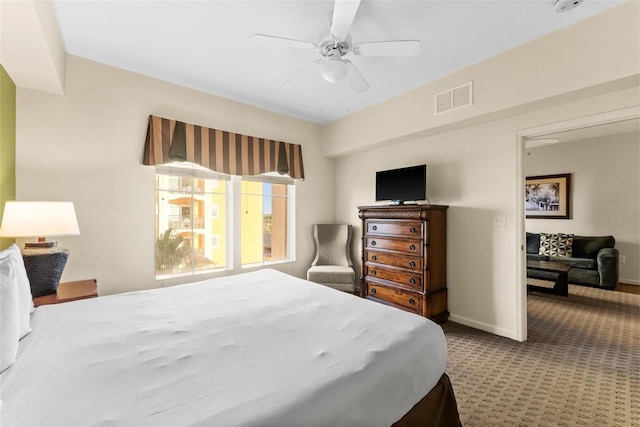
{"x":437,"y":409}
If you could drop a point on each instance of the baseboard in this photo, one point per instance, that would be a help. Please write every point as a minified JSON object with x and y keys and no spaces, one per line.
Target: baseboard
{"x":628,"y":288}
{"x":492,"y":329}
{"x":629,"y":282}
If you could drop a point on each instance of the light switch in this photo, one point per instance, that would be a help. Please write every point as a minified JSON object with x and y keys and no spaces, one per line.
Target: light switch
{"x":499,"y":221}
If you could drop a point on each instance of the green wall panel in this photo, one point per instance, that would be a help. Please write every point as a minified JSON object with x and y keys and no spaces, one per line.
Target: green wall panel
{"x":7,"y":144}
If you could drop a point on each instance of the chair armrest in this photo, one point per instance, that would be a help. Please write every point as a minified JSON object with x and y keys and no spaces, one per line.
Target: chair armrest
{"x":608,"y":267}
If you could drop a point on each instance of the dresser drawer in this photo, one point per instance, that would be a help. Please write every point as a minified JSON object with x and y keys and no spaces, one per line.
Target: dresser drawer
{"x":410,"y":301}
{"x":410,"y":262}
{"x":401,"y":245}
{"x":399,"y":228}
{"x":404,"y":258}
{"x":404,"y":278}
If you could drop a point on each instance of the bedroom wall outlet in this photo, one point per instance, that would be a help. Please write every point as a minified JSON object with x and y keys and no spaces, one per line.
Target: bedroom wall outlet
{"x":622,"y":259}
{"x":499,"y":221}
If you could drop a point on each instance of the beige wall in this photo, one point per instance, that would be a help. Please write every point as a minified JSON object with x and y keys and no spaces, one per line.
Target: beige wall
{"x":475,"y":171}
{"x":30,"y":45}
{"x":86,"y":146}
{"x":605,"y":192}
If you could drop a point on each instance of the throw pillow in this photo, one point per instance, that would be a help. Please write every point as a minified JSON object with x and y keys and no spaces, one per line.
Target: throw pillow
{"x":556,"y":244}
{"x":9,"y":318}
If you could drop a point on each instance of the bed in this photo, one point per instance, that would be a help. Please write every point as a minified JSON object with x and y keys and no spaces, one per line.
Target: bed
{"x":261,"y":348}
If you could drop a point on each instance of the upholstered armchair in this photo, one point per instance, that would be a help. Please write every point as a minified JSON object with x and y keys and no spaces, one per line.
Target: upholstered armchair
{"x":332,"y":265}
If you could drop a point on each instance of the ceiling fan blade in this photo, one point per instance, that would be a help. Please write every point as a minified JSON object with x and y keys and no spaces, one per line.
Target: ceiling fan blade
{"x":289,"y":83}
{"x":344,"y":11}
{"x":356,"y":81}
{"x":298,"y":44}
{"x":388,"y":48}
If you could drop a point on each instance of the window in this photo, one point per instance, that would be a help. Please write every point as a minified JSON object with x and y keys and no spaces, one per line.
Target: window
{"x":265,"y":215}
{"x":184,"y":223}
{"x":198,"y":213}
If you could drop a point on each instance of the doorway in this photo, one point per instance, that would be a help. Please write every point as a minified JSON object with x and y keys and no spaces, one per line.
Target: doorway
{"x":603,"y":124}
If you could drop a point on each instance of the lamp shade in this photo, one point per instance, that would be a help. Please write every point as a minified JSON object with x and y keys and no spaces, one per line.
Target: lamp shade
{"x":35,"y":219}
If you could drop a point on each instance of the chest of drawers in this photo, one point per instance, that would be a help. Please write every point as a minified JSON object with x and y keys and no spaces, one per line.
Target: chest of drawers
{"x":404,"y":258}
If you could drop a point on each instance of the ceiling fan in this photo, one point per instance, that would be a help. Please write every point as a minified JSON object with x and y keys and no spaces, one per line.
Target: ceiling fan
{"x":335,"y":43}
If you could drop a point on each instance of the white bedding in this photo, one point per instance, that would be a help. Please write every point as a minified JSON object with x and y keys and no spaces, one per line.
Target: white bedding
{"x":260,"y":348}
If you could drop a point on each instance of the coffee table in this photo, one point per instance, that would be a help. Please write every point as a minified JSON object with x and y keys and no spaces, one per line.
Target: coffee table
{"x":561,"y":287}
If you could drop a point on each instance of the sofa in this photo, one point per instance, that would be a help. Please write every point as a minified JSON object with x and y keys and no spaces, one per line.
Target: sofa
{"x":594,"y":260}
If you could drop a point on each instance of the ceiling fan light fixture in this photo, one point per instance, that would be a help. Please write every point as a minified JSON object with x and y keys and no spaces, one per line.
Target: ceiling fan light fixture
{"x":333,"y":70}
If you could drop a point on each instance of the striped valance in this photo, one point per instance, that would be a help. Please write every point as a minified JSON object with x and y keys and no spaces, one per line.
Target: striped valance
{"x":221,"y":151}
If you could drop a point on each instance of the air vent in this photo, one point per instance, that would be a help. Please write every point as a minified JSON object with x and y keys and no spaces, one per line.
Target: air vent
{"x":452,"y":99}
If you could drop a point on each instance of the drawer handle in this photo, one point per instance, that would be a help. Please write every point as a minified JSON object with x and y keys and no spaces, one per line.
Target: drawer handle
{"x":373,"y":243}
{"x":412,"y":229}
{"x":412,"y":301}
{"x":412,"y":264}
{"x":373,"y":272}
{"x":412,"y":247}
{"x":373,"y":290}
{"x":373,"y":258}
{"x":412,"y":281}
{"x":375,"y":227}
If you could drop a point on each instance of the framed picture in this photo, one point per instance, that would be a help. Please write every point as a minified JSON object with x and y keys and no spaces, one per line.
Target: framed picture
{"x":548,"y":196}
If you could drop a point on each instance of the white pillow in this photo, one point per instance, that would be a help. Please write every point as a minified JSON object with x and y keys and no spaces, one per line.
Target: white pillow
{"x":9,"y":318}
{"x":25,"y":300}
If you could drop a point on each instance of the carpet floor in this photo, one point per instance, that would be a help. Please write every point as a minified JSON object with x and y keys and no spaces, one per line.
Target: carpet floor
{"x":579,"y":367}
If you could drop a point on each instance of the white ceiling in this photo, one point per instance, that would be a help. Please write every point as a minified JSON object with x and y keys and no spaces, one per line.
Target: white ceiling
{"x":205,"y":44}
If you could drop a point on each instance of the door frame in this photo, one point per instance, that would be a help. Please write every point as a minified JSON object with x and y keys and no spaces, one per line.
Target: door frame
{"x":599,"y":119}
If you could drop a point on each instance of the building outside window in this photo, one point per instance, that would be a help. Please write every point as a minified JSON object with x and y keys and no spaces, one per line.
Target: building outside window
{"x":215,"y":210}
{"x":184,"y":225}
{"x":196,"y":219}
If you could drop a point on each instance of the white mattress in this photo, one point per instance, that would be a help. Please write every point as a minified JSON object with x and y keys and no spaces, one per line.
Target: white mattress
{"x":260,"y":348}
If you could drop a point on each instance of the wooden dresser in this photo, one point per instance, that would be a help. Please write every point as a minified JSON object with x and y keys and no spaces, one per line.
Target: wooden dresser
{"x":404,"y":258}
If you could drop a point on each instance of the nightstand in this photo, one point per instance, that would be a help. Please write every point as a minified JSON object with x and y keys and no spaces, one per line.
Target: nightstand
{"x":70,"y":291}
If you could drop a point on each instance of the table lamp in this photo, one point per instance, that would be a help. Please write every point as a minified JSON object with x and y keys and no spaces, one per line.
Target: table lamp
{"x":43,"y":259}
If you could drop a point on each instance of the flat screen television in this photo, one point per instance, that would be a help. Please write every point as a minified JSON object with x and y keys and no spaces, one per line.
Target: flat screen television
{"x":402,"y":185}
